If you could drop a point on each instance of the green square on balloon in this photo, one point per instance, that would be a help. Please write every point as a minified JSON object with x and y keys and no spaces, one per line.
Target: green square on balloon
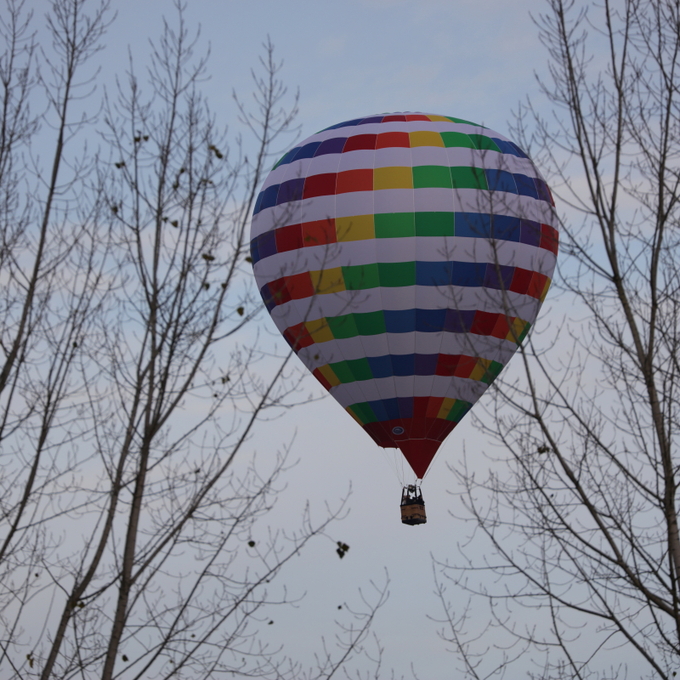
{"x":361,"y":276}
{"x":397,"y":274}
{"x":363,"y":412}
{"x":492,"y":372}
{"x":431,"y":176}
{"x":434,"y":224}
{"x":458,"y":410}
{"x":370,"y":323}
{"x":465,"y":177}
{"x":457,"y":140}
{"x":394,"y":225}
{"x":343,"y":372}
{"x":360,"y":368}
{"x":342,"y":326}
{"x":485,"y":143}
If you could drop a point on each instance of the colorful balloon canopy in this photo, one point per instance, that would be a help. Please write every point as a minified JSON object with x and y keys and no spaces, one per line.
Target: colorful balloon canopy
{"x":404,"y":257}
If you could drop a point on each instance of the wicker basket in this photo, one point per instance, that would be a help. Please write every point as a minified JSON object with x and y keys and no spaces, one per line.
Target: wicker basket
{"x":412,"y":506}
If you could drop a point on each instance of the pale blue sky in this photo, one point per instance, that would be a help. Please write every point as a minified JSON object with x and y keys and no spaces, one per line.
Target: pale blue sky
{"x":472,"y":59}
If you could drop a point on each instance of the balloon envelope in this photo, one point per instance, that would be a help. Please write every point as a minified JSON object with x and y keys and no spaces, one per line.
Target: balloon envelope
{"x":404,"y":257}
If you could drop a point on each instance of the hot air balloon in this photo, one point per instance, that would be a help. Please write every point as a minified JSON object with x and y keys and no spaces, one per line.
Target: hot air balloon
{"x":404,"y":257}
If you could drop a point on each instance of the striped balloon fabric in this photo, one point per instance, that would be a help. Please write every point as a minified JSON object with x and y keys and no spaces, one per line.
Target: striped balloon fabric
{"x":404,"y":257}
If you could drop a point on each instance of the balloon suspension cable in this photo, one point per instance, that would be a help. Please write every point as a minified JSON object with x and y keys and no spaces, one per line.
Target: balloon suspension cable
{"x":412,"y":505}
{"x":402,"y":472}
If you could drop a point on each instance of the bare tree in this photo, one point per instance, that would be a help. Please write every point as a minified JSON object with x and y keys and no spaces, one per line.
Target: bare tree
{"x":578,"y":513}
{"x":134,"y":542}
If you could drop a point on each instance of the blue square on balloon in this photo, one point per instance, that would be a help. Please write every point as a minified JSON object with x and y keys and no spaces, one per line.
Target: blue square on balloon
{"x":269,"y":196}
{"x":474,"y":225}
{"x":468,"y":273}
{"x":505,"y":228}
{"x":381,"y":367}
{"x":526,"y":186}
{"x":381,"y":413}
{"x":254,"y":252}
{"x":307,"y":151}
{"x":266,"y":244}
{"x":509,"y":148}
{"x":500,"y":180}
{"x":433,"y":273}
{"x":430,"y":320}
{"x":390,"y":408}
{"x":403,"y":364}
{"x":399,"y":320}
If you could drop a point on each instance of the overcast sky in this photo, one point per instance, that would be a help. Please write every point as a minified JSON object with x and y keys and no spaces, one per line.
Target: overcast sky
{"x":473,"y":59}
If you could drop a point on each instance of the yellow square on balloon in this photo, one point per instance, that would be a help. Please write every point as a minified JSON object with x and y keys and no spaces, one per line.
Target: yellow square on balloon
{"x":327,"y":372}
{"x":516,"y":329}
{"x":355,"y":228}
{"x":392,"y":178}
{"x":480,"y":370}
{"x":425,"y":138}
{"x":446,"y":406}
{"x":320,"y":332}
{"x":328,"y":280}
